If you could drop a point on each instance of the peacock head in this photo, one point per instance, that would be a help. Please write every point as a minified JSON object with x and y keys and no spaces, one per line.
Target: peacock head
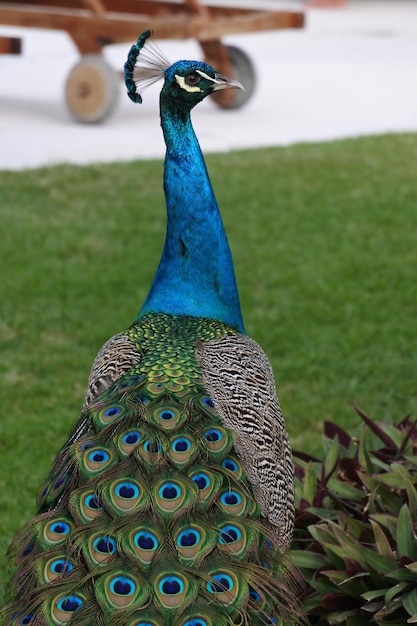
{"x":186,"y":83}
{"x":189,"y":82}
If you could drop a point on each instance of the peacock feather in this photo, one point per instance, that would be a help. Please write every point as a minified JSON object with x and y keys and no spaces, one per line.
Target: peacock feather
{"x":171,"y":503}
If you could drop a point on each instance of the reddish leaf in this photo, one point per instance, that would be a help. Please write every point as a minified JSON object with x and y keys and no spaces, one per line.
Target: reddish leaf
{"x":337,"y":602}
{"x":349,"y":468}
{"x":353,"y":567}
{"x":297,"y":454}
{"x":376,"y":429}
{"x":332,"y":430}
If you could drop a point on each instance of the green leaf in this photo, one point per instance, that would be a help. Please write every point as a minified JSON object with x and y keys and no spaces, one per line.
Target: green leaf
{"x":365,"y":445}
{"x":354,"y":550}
{"x":388,"y":521}
{"x":382,"y":544}
{"x":375,"y":593}
{"x":406,"y":543}
{"x":395,"y":591}
{"x":409,"y":601}
{"x":308,"y":560}
{"x":355,"y":586}
{"x":412,"y":567}
{"x":310,"y":484}
{"x":353,"y":526}
{"x":311,"y":603}
{"x":324,"y":514}
{"x":357,"y":620}
{"x":322,"y":533}
{"x":385,"y":498}
{"x":322,"y":585}
{"x":380,"y":563}
{"x":365,"y":557}
{"x":393,"y":432}
{"x":373,"y":607}
{"x":396,"y":622}
{"x":402,"y":574}
{"x":336,"y":576}
{"x":345,"y":490}
{"x":345,"y":539}
{"x":401,"y":469}
{"x":411,"y":460}
{"x":392,"y":480}
{"x":408,"y":483}
{"x":399,"y":479}
{"x":388,"y":610}
{"x":332,"y":457}
{"x":369,"y":481}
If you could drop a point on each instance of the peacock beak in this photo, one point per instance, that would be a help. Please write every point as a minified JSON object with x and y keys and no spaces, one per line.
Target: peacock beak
{"x":221,"y":82}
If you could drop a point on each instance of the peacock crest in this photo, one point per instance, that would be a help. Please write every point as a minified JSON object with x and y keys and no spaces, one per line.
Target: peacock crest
{"x":171,"y":503}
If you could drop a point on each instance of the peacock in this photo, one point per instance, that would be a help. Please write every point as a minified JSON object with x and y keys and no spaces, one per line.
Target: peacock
{"x":171,"y":503}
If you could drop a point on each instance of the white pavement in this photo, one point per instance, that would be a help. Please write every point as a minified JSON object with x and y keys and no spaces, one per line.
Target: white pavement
{"x":351,"y":71}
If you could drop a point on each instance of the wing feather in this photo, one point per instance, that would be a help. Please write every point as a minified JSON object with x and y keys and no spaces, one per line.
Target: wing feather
{"x":117,"y":356}
{"x":240,"y":381}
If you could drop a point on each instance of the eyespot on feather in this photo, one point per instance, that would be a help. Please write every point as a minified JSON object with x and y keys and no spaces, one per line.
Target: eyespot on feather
{"x":96,"y":460}
{"x":172,"y":590}
{"x":128,"y":441}
{"x":207,"y":484}
{"x":65,"y":606}
{"x":57,"y":567}
{"x":99,"y":550}
{"x":120,"y":590}
{"x":141,"y":543}
{"x":234,"y":502}
{"x":224,"y":586}
{"x":124,"y":496}
{"x":151,"y":453}
{"x":217,"y":441}
{"x":57,"y":531}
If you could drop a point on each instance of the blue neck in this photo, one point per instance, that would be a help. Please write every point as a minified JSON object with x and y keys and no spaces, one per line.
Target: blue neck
{"x":195,"y":274}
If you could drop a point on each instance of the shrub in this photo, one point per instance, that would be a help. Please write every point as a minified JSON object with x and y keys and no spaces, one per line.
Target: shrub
{"x":356,"y":517}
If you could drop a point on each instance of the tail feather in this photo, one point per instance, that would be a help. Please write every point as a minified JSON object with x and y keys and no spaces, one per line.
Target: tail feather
{"x":148,"y":516}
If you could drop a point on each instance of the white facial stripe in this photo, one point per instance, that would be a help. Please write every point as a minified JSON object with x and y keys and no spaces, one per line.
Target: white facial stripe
{"x":181,"y":81}
{"x":207,"y":77}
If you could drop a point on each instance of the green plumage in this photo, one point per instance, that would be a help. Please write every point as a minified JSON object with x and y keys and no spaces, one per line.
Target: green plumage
{"x":151,"y":497}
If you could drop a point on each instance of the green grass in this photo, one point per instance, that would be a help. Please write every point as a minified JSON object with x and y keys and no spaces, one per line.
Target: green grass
{"x":324,"y":239}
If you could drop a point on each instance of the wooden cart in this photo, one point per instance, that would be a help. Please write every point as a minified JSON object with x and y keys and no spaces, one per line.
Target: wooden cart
{"x":93,"y":86}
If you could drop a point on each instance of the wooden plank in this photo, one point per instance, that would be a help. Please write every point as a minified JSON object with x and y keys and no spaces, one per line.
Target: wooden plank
{"x":189,"y":27}
{"x":134,"y":7}
{"x":52,"y":4}
{"x":249,"y":22}
{"x":95,"y":6}
{"x":164,"y":7}
{"x":117,"y":27}
{"x":194,"y":6}
{"x":10,"y":45}
{"x":91,"y":32}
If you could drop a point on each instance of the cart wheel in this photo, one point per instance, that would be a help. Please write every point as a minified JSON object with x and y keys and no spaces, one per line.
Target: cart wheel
{"x":92,"y":89}
{"x":244,"y":72}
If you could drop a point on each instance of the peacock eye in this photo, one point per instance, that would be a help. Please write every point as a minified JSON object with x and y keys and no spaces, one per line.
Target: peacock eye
{"x":192,"y":79}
